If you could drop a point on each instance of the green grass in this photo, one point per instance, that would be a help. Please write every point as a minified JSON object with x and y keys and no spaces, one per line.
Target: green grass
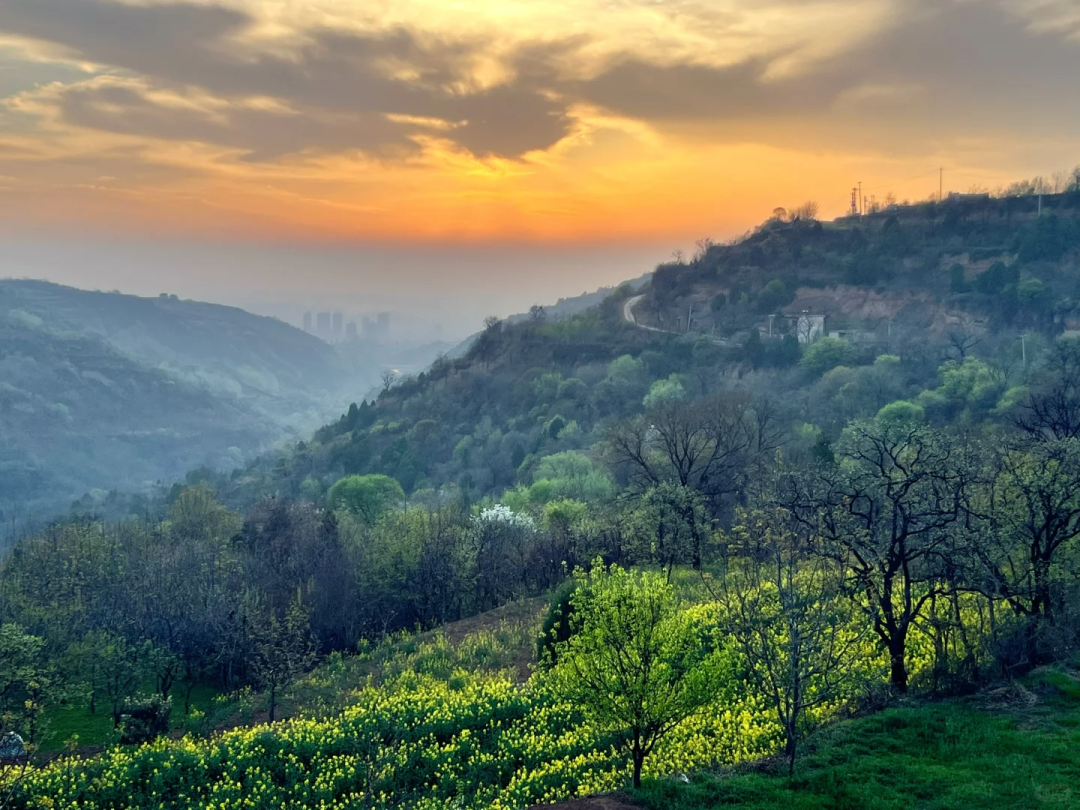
{"x":1016,"y":748}
{"x":65,"y":722}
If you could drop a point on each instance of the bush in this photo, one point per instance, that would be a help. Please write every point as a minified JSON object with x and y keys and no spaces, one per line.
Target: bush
{"x":827,"y":354}
{"x":144,"y":720}
{"x":557,"y":627}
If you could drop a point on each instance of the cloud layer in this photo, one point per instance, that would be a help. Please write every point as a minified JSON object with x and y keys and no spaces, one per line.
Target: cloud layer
{"x":320,"y":112}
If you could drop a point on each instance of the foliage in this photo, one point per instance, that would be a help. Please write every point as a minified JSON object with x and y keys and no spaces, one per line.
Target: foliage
{"x":663,"y":391}
{"x":366,"y":496}
{"x":417,"y":742}
{"x":637,"y":664}
{"x":27,"y":682}
{"x":787,"y":610}
{"x":827,"y":353}
{"x":940,"y":756}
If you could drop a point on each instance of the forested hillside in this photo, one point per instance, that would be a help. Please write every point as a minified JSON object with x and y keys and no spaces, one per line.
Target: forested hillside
{"x":103,"y":392}
{"x":720,"y":537}
{"x":925,"y":303}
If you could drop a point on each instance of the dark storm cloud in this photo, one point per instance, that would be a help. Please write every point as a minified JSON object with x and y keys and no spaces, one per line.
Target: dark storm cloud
{"x":334,"y":79}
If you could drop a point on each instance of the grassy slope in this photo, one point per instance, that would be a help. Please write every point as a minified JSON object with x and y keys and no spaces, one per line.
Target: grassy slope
{"x":324,"y":691}
{"x":1018,"y":747}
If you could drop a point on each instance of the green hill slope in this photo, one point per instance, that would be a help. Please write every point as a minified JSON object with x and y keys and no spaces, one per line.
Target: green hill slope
{"x":1013,"y":747}
{"x":102,"y":391}
{"x":916,"y":287}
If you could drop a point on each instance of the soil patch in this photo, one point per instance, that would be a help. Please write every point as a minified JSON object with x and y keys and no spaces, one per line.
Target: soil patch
{"x":614,"y":801}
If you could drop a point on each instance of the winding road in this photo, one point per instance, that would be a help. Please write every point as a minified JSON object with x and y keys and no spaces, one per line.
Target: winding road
{"x":631,"y":318}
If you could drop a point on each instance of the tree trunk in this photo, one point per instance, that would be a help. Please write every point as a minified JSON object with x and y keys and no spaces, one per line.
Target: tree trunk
{"x":1034,"y":652}
{"x":1041,"y":603}
{"x":790,"y":750}
{"x":187,"y":697}
{"x":898,"y":673}
{"x":638,"y":755}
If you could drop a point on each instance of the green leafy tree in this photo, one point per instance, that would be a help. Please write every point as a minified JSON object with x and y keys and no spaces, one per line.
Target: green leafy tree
{"x":366,"y":496}
{"x":121,"y":668}
{"x":665,"y":390}
{"x":672,"y":526}
{"x":570,"y":474}
{"x":26,"y":681}
{"x":826,"y":354}
{"x":635,"y":662}
{"x":773,"y":296}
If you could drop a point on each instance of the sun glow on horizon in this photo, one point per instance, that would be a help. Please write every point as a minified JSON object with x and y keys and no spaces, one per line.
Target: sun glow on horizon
{"x":549,"y":122}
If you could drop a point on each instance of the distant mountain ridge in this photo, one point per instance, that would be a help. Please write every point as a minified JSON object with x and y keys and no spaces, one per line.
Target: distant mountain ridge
{"x":203,"y":343}
{"x":103,"y":391}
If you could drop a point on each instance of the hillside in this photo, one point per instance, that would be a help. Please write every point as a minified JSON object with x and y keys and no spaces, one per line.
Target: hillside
{"x":102,"y":391}
{"x":847,"y":554}
{"x":977,"y":265}
{"x":1011,"y":746}
{"x":923,"y":284}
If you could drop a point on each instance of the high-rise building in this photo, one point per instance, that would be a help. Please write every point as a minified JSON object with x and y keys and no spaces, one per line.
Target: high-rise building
{"x":338,"y":325}
{"x":322,"y":325}
{"x":350,"y":331}
{"x":384,"y":325}
{"x":307,"y":322}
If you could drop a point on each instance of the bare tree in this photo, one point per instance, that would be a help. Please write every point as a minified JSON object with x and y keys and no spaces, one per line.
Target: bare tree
{"x":785,"y":607}
{"x":709,"y":445}
{"x":1033,"y":513}
{"x":388,"y":377}
{"x":964,"y":338}
{"x":889,"y":513}
{"x":808,"y":211}
{"x":1052,"y":411}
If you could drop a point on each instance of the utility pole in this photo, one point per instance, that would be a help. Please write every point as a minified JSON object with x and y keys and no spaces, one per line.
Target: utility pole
{"x":1023,"y":348}
{"x":860,"y":199}
{"x":689,"y":315}
{"x":770,"y":324}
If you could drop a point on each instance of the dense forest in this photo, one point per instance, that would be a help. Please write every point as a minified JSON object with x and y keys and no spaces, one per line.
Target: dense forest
{"x":732,"y":529}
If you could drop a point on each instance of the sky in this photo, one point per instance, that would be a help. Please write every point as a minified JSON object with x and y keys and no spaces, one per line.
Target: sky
{"x":482,"y":154}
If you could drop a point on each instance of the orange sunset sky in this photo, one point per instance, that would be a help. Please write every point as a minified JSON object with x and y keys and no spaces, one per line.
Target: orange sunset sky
{"x":542,"y":122}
